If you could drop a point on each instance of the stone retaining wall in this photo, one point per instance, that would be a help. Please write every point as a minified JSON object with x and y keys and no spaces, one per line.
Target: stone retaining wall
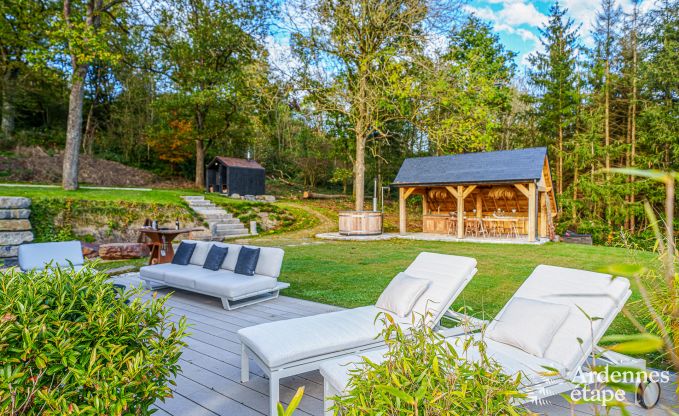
{"x":15,"y":226}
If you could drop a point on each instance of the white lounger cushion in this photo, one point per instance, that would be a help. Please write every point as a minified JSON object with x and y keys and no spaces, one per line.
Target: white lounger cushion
{"x":512,"y":360}
{"x":528,"y":324}
{"x":283,"y":342}
{"x":448,"y":275}
{"x":401,"y":294}
{"x":58,"y":254}
{"x":595,"y":293}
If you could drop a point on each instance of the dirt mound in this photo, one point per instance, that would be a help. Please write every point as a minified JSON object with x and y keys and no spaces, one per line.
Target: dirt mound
{"x":33,"y":164}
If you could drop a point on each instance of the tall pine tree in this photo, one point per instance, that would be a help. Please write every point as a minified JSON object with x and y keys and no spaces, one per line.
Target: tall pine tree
{"x":554,"y":77}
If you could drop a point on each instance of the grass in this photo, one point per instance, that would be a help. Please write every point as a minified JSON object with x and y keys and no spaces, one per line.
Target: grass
{"x":159,"y":196}
{"x":354,"y":274}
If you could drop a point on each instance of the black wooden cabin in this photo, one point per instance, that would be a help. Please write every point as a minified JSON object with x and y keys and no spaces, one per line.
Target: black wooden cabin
{"x":230,"y":175}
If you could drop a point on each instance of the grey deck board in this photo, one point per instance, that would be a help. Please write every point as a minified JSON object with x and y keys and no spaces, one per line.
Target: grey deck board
{"x":210,"y":380}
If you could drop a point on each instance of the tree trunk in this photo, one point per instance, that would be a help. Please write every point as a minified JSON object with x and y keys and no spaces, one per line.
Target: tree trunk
{"x":359,"y":172}
{"x":74,"y":126}
{"x":633,"y":115}
{"x":200,"y":164}
{"x":559,"y":167}
{"x":607,"y":127}
{"x":8,"y":107}
{"x":574,"y":210}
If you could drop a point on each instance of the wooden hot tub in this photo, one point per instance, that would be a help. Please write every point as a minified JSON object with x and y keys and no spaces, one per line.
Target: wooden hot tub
{"x":360,"y":222}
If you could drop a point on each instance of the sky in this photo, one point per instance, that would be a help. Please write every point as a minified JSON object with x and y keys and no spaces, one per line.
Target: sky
{"x":517,"y":21}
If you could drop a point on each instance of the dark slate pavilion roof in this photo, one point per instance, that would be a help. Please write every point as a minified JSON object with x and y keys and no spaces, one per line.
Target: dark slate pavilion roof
{"x":519,"y":165}
{"x":236,"y":162}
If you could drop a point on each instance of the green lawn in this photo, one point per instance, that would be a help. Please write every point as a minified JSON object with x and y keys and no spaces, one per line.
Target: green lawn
{"x":351,"y":274}
{"x":161,"y":196}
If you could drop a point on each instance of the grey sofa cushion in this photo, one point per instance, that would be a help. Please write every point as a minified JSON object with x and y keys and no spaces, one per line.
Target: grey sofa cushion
{"x":270,"y":261}
{"x":200,"y":253}
{"x":184,"y":276}
{"x":226,"y":283}
{"x":59,"y":254}
{"x":157,"y":271}
{"x":231,"y":257}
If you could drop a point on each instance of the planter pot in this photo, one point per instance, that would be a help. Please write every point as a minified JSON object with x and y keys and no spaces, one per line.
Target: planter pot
{"x":360,"y":222}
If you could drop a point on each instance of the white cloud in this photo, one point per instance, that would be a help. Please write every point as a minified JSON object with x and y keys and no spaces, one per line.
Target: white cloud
{"x":517,"y":12}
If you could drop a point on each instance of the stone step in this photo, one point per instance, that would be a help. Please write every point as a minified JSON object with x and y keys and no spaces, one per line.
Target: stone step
{"x":229,"y":233}
{"x":223,"y":221}
{"x":224,"y":227}
{"x":14,"y":238}
{"x":201,"y":204}
{"x":212,"y":212}
{"x":14,"y":202}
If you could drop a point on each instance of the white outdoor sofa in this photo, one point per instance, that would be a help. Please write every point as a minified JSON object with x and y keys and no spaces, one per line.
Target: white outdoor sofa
{"x":597,"y":294}
{"x":285,"y":348}
{"x":235,"y":290}
{"x":63,"y":254}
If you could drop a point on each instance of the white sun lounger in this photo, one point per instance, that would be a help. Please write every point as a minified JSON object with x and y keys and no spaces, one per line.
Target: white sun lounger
{"x":296,"y":346}
{"x":597,"y":294}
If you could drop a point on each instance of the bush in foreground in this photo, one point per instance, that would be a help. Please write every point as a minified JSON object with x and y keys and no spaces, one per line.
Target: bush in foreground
{"x":423,"y":375}
{"x":69,"y":344}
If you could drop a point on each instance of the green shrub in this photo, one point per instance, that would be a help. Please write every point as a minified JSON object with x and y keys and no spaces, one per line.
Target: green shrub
{"x":423,"y":375}
{"x":69,"y":344}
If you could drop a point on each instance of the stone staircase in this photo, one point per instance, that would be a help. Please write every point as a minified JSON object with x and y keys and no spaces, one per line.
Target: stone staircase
{"x":222,"y":224}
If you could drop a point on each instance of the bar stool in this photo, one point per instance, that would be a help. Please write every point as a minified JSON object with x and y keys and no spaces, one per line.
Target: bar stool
{"x":452,"y":222}
{"x":471,"y":227}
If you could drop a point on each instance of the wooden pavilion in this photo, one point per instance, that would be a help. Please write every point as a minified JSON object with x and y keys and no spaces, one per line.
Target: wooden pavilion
{"x":489,"y":194}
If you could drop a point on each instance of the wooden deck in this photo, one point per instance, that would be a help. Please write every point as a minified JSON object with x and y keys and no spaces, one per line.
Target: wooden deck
{"x":209,"y":383}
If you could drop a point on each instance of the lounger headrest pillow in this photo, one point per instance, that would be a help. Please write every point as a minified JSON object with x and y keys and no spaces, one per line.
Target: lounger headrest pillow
{"x":401,"y":294}
{"x":528,"y":324}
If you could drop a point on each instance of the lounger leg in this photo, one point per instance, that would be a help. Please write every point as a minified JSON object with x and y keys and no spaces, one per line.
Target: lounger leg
{"x":327,"y":402}
{"x":225,"y":304}
{"x":244,"y":364}
{"x":273,"y":394}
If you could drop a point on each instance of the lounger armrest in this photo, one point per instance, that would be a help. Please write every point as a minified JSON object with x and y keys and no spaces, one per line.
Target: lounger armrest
{"x":618,"y":359}
{"x":463,"y":323}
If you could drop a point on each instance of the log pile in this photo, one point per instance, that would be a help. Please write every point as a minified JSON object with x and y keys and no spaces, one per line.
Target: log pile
{"x":314,"y":195}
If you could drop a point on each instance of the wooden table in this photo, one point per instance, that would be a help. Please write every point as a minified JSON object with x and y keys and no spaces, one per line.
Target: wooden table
{"x":161,"y":243}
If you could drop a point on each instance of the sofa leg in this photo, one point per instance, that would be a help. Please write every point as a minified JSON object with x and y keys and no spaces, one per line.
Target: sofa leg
{"x":244,"y":364}
{"x":273,"y":394}
{"x":225,"y":304}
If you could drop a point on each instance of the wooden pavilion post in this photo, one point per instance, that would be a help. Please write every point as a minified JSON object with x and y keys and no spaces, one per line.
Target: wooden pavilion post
{"x":460,"y":211}
{"x":401,"y":210}
{"x":403,"y":194}
{"x":532,"y":211}
{"x":543,"y":214}
{"x":425,"y":203}
{"x":479,"y":205}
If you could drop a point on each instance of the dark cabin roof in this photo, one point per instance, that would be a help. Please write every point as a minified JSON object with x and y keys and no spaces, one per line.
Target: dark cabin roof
{"x":519,"y":165}
{"x":236,"y":162}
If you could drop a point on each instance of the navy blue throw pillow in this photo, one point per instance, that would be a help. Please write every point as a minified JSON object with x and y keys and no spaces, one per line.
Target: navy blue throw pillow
{"x":247,"y":261}
{"x":183,"y":253}
{"x":215,"y":257}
